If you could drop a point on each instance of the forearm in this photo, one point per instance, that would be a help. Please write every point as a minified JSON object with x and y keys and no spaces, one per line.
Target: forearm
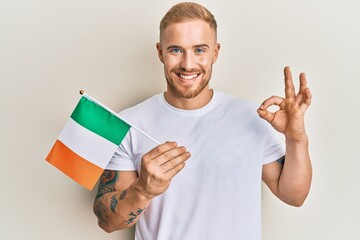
{"x":295,"y":179}
{"x":120,"y":209}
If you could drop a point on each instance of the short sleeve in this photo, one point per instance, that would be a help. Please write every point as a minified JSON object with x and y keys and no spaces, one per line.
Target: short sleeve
{"x":122,"y":160}
{"x":274,"y":149}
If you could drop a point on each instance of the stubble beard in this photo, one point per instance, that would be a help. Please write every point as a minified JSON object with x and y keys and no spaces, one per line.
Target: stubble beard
{"x":187,"y":92}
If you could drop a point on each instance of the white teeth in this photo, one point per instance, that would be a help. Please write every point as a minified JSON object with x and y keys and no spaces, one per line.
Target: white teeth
{"x":188,"y":77}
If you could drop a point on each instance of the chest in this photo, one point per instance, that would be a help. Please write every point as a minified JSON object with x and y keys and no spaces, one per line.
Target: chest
{"x":219,"y":145}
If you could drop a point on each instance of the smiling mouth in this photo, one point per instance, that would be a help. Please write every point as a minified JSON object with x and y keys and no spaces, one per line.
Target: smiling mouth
{"x":188,"y":77}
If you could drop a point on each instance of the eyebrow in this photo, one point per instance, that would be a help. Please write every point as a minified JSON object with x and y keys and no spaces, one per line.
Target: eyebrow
{"x":202,"y":45}
{"x":172,"y":46}
{"x":196,"y":46}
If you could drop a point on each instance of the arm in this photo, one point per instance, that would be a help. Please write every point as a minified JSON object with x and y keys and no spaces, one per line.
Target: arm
{"x":123,"y":196}
{"x":290,"y":181}
{"x":117,"y":200}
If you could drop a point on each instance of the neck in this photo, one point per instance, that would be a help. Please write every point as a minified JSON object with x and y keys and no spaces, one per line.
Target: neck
{"x":197,"y":102}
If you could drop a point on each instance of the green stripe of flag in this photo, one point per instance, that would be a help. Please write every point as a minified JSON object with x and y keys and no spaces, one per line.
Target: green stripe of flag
{"x":100,"y":121}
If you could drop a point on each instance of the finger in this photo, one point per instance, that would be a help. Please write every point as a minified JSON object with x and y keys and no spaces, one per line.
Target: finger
{"x":303,"y":82}
{"x":299,"y":98}
{"x":174,"y":162}
{"x":169,"y":155}
{"x":266,"y":115}
{"x":274,"y":100}
{"x":303,"y":85}
{"x":172,"y":172}
{"x":307,"y":100}
{"x":289,"y":85}
{"x":157,"y":151}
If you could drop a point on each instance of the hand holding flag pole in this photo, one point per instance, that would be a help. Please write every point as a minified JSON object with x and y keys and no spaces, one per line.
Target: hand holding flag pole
{"x":89,"y":140}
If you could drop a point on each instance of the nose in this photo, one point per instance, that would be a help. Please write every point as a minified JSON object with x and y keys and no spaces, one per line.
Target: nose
{"x":187,"y":61}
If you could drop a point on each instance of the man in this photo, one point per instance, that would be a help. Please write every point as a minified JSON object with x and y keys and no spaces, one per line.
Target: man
{"x":229,"y":149}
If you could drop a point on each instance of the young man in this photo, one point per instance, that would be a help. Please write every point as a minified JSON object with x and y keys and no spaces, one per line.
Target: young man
{"x":229,"y":149}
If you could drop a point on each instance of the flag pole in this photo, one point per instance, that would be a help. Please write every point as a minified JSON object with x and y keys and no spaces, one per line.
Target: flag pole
{"x":82,"y":92}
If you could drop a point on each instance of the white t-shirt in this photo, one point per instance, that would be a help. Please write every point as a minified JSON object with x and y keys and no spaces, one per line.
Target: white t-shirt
{"x":218,"y":193}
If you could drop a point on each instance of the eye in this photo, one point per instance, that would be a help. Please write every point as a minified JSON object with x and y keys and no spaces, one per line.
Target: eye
{"x":176,"y":50}
{"x":199,"y":50}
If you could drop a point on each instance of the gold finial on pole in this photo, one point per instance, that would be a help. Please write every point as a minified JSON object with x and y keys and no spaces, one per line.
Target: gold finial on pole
{"x":81,"y":92}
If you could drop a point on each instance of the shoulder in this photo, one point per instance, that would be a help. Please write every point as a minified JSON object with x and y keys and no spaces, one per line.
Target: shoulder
{"x":146,"y":105}
{"x":234,"y":102}
{"x":241,"y":111}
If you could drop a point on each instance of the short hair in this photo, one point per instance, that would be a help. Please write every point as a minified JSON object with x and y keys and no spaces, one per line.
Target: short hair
{"x":187,"y":11}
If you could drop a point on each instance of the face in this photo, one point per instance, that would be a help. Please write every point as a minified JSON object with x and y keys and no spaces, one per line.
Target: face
{"x":188,"y":50}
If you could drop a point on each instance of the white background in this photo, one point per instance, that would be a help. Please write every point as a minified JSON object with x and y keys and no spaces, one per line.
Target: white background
{"x":49,"y":50}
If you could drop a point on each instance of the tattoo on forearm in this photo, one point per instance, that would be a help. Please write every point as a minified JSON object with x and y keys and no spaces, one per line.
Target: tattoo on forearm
{"x":101,"y":207}
{"x":107,"y":182}
{"x":101,"y":212}
{"x":133,"y":215}
{"x":123,"y":194}
{"x":113,"y":203}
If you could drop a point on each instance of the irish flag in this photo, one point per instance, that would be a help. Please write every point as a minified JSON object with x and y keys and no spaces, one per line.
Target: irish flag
{"x":87,"y":142}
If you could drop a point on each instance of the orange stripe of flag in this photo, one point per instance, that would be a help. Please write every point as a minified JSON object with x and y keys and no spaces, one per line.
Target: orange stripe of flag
{"x":73,"y":165}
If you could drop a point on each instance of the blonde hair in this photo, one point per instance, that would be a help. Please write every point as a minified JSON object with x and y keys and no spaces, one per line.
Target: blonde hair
{"x":187,"y":11}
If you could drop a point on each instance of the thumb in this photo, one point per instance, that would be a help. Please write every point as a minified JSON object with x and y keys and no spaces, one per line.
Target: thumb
{"x":265,"y":114}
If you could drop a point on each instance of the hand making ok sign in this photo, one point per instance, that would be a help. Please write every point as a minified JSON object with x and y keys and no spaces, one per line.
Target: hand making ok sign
{"x":289,"y":119}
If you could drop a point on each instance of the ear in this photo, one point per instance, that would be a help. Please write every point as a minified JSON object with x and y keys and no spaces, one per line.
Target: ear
{"x":216,"y":52}
{"x":159,"y":50}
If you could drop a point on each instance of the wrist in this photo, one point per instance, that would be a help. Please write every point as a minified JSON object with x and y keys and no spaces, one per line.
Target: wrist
{"x":302,"y":140}
{"x":140,"y":191}
{"x":298,"y":138}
